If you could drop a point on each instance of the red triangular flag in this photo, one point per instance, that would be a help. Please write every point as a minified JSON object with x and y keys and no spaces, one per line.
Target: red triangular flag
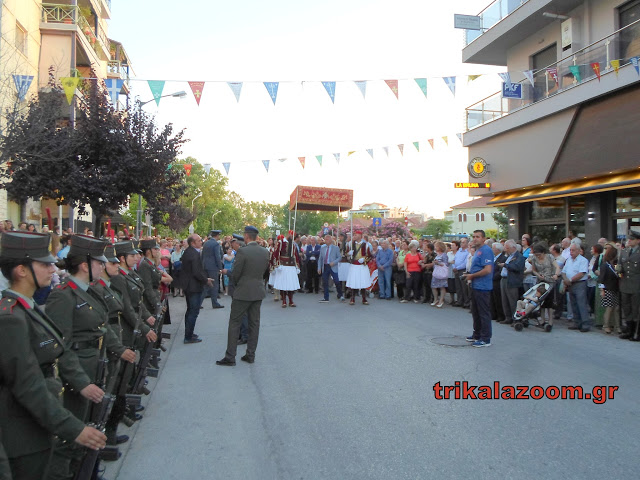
{"x":187,"y":169}
{"x":301,"y":161}
{"x":596,"y":69}
{"x":197,"y":88}
{"x":393,"y":85}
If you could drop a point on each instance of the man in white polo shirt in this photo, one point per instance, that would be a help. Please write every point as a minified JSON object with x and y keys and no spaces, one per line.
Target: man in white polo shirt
{"x":574,"y":277}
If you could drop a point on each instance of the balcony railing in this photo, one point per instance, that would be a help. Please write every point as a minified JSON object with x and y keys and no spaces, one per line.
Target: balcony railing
{"x":622,"y":45}
{"x":70,"y":14}
{"x":120,"y":69}
{"x":491,"y":15}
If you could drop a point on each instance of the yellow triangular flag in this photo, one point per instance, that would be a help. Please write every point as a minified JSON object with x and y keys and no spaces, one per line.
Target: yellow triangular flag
{"x":353,"y":151}
{"x":446,"y":140}
{"x":70,"y":84}
{"x":616,"y":65}
{"x":471,"y":78}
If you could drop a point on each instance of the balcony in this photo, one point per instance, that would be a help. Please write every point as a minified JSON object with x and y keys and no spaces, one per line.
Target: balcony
{"x":506,"y":23}
{"x":620,"y":46}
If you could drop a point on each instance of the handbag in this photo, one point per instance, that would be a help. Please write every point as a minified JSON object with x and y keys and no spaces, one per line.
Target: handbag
{"x":440,"y":272}
{"x":177,"y":265}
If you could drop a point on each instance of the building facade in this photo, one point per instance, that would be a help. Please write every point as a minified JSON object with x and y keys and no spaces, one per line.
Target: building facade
{"x":563,"y":157}
{"x":473,"y":215}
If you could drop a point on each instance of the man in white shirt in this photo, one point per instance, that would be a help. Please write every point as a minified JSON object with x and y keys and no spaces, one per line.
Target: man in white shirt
{"x":574,"y":277}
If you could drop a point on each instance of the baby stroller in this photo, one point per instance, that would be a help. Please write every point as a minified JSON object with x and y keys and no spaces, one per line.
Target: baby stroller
{"x":531,"y":314}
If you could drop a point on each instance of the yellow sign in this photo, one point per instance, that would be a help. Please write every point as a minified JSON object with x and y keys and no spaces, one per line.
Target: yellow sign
{"x":477,"y":167}
{"x":471,"y":185}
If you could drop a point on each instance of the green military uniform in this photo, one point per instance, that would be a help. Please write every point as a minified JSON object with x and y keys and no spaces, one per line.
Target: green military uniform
{"x":30,"y":346}
{"x":629,"y":269}
{"x":5,"y":469}
{"x":151,"y":278}
{"x":82,"y":318}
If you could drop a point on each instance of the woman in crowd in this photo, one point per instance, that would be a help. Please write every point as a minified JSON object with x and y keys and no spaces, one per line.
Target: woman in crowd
{"x":544,"y":269}
{"x":176,"y":266}
{"x":440,"y":274}
{"x":429,"y":257}
{"x":413,"y":270}
{"x":609,"y":291}
{"x":451,"y":281}
{"x":227,"y":260}
{"x":592,"y":281}
{"x":401,"y":276}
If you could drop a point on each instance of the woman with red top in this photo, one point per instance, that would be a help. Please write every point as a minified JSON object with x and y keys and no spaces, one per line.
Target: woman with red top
{"x":413,"y":268}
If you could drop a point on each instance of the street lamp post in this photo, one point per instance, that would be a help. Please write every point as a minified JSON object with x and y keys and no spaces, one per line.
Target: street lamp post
{"x":191,"y":227}
{"x":213,"y":217}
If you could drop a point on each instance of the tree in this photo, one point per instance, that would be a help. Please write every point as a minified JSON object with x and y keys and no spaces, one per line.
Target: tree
{"x":369,"y":214}
{"x":438,"y":227}
{"x":501,"y":217}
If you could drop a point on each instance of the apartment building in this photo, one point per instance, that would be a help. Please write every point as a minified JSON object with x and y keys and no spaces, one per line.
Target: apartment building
{"x":70,"y":36}
{"x":562,"y":158}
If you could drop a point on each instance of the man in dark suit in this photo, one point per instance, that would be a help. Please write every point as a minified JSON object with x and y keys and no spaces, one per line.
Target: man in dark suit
{"x":497,"y":312}
{"x":311,"y":255}
{"x":212,"y":263}
{"x":511,"y":276}
{"x":194,"y":278}
{"x":248,"y":269}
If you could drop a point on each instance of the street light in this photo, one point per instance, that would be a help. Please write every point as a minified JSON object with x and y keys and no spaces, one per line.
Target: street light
{"x":191,"y":227}
{"x":181,"y":94}
{"x":213,"y":216}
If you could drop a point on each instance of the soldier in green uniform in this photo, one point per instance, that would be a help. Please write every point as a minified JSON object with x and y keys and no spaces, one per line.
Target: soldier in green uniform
{"x":5,"y":469}
{"x":150,"y":274}
{"x":629,"y":270}
{"x":117,"y":351}
{"x":82,"y":318}
{"x":31,"y":346}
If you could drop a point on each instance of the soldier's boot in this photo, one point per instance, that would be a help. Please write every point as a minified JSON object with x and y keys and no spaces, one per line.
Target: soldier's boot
{"x":631,"y":328}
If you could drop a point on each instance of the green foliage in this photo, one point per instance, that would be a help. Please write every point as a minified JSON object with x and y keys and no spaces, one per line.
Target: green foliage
{"x":369,"y":214}
{"x":502,"y":219}
{"x":438,"y":227}
{"x":492,"y":233}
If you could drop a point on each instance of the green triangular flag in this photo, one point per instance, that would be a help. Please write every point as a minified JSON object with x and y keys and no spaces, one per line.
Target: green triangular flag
{"x":319,"y":158}
{"x":575,"y":69}
{"x":417,"y":145}
{"x":156,"y":87}
{"x":422,"y":83}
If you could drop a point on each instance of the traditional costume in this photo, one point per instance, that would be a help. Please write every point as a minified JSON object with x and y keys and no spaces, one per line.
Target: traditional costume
{"x":272,"y":267}
{"x":359,"y":276}
{"x":287,"y":263}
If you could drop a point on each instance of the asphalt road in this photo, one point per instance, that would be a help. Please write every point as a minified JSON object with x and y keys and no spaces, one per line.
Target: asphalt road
{"x":340,"y":392}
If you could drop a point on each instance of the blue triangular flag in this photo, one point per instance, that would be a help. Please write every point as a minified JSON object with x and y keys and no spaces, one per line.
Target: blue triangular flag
{"x":23,"y":82}
{"x":386,"y":150}
{"x":451,"y":83}
{"x":459,"y":135}
{"x":236,"y":88}
{"x":506,"y":78}
{"x":226,"y":166}
{"x":330,"y":87}
{"x":156,"y":87}
{"x":370,"y":151}
{"x":114,"y":85}
{"x":272,"y":88}
{"x":362,"y":85}
{"x":337,"y":155}
{"x":266,"y":164}
{"x":634,"y":62}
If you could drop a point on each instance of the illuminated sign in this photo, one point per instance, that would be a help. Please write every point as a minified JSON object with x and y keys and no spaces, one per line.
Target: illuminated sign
{"x":471,"y":185}
{"x":477,"y":167}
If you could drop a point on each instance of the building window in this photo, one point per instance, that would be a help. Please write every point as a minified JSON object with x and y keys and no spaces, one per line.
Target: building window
{"x":21,"y":39}
{"x":464,"y":217}
{"x":459,"y":217}
{"x":629,"y":13}
{"x":477,"y":217}
{"x":482,"y":217}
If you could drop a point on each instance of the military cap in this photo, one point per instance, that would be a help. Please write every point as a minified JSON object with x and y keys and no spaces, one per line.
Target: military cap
{"x":240,"y":238}
{"x":125,"y":248}
{"x":213,"y":233}
{"x":633,"y":234}
{"x":251,"y":229}
{"x":83,"y":245}
{"x":146,"y":244}
{"x":136,"y":245}
{"x":22,"y":245}
{"x":110,"y":253}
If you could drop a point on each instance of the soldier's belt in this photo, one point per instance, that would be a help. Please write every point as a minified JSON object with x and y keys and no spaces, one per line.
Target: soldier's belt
{"x":96,"y":343}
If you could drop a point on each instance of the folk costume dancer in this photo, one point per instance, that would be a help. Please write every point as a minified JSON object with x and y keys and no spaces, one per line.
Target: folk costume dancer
{"x":344,"y":265}
{"x":359,"y":275}
{"x":288,"y":267}
{"x":31,"y":345}
{"x":273,"y":267}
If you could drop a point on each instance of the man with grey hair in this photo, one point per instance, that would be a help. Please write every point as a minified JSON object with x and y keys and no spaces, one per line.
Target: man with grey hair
{"x":497,"y":312}
{"x":384,"y":259}
{"x":574,"y":277}
{"x":511,"y":276}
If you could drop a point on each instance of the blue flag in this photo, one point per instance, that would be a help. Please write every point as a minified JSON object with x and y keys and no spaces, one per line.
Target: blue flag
{"x":362,"y":85}
{"x":114,"y":85}
{"x":337,"y":155}
{"x":634,"y":62}
{"x":370,"y":151}
{"x":272,"y":88}
{"x":451,"y":83}
{"x":330,"y":87}
{"x":236,"y":88}
{"x":266,"y":165}
{"x":226,"y":166}
{"x":23,"y":82}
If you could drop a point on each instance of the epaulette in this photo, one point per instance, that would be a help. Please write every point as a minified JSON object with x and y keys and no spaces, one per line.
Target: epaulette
{"x":62,"y":286}
{"x":102,"y":282}
{"x":8,"y":303}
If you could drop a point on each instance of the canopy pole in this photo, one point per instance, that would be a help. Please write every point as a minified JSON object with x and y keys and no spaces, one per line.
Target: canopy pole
{"x":295,"y":215}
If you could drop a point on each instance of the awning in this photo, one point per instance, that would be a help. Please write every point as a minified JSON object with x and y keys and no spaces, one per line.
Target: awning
{"x":569,"y":189}
{"x":318,"y":198}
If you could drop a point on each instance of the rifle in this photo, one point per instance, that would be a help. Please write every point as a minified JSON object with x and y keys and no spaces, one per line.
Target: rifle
{"x":157,"y":327}
{"x":148,"y":353}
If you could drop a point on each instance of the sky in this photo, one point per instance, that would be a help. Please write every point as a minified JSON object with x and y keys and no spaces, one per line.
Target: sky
{"x":301,"y":43}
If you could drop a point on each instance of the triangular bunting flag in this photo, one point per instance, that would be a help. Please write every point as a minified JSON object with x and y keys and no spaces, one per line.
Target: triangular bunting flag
{"x":451,"y":83}
{"x":226,"y":166}
{"x":553,"y":73}
{"x":337,"y":155}
{"x":471,"y":78}
{"x":393,"y":85}
{"x":69,"y":84}
{"x":330,"y":87}
{"x":634,"y":62}
{"x":282,"y":159}
{"x":319,"y":158}
{"x":351,"y":152}
{"x":22,"y":82}
{"x":446,"y":140}
{"x":207,"y":168}
{"x":417,"y":145}
{"x":266,"y":164}
{"x":401,"y":148}
{"x":459,"y":135}
{"x":431,"y":143}
{"x":529,"y":75}
{"x":575,"y":70}
{"x":370,"y":152}
{"x":422,"y":83}
{"x":386,"y":150}
{"x":272,"y":88}
{"x":236,"y":88}
{"x":596,"y":68}
{"x":615,"y":64}
{"x":187,"y":169}
{"x":506,"y":78}
{"x":156,"y":87}
{"x":197,"y":88}
{"x":302,"y":160}
{"x":362,"y":85}
{"x":114,"y":85}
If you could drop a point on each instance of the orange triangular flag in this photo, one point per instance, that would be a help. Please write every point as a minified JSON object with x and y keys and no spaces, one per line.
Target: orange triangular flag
{"x":301,"y":161}
{"x":393,"y":85}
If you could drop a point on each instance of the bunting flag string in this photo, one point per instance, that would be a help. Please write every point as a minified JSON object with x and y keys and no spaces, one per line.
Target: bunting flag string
{"x":266,"y":165}
{"x":446,"y":140}
{"x":386,"y":150}
{"x":615,"y":64}
{"x":282,"y":160}
{"x":451,"y":83}
{"x":529,"y":76}
{"x":69,"y":84}
{"x":506,"y":78}
{"x":197,"y":88}
{"x":187,"y":169}
{"x":330,"y":87}
{"x":114,"y":85}
{"x":236,"y":88}
{"x":575,"y":70}
{"x":337,"y":155}
{"x":362,"y":85}
{"x":370,"y":152}
{"x":226,"y":166}
{"x":596,"y":68}
{"x":422,"y":83}
{"x":471,"y":78}
{"x":156,"y":87}
{"x":553,"y":73}
{"x":634,"y":62}
{"x":459,"y":135}
{"x":319,"y":158}
{"x":431,"y":143}
{"x":393,"y":85}
{"x":417,"y":145}
{"x":272,"y":88}
{"x":350,"y":153}
{"x":401,"y":148}
{"x":22,"y":83}
{"x":302,"y":161}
